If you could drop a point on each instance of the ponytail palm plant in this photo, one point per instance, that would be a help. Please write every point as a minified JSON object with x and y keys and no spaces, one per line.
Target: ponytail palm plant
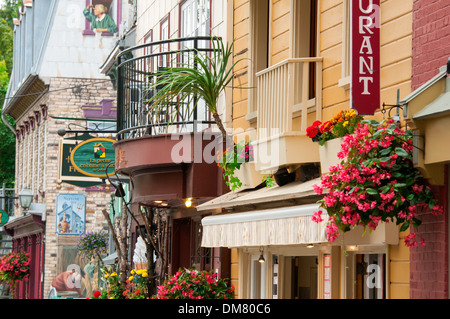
{"x":203,"y":76}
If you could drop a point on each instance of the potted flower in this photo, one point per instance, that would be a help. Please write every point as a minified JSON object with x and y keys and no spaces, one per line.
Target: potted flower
{"x":14,"y":267}
{"x":375,"y":183}
{"x":194,"y":284}
{"x":239,"y":167}
{"x":330,"y":136}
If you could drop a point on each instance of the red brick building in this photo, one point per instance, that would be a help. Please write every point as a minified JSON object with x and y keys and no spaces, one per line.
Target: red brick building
{"x":431,"y":39}
{"x":429,"y":266}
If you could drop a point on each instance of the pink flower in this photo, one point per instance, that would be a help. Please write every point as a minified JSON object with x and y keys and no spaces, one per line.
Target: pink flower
{"x":318,"y":189}
{"x":317,"y":217}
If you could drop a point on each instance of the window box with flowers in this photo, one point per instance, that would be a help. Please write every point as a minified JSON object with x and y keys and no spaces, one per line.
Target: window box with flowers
{"x":375,"y":183}
{"x":239,"y":167}
{"x":330,"y":136}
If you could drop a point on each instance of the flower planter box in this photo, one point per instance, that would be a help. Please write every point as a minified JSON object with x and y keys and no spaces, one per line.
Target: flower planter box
{"x":385,"y":233}
{"x":283,"y":150}
{"x":328,"y":154}
{"x":248,"y":175}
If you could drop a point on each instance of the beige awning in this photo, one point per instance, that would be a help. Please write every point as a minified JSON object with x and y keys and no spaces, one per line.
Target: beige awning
{"x":280,"y":226}
{"x":300,"y":191}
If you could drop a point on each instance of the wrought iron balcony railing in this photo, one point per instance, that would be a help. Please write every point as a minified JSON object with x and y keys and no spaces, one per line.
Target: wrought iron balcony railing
{"x":137,"y":70}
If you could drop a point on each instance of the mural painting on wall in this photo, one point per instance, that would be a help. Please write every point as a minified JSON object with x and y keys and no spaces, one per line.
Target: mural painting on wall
{"x":101,"y":17}
{"x":75,"y":277}
{"x":70,"y":214}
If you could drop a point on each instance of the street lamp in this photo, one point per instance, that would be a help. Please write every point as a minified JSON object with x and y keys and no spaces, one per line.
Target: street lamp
{"x":25,"y":198}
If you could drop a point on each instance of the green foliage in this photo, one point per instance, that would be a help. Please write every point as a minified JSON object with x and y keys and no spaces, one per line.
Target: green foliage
{"x":203,"y":76}
{"x":7,"y":147}
{"x":232,"y":159}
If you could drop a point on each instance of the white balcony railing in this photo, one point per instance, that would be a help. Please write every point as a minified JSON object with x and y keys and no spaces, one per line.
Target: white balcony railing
{"x":284,"y":90}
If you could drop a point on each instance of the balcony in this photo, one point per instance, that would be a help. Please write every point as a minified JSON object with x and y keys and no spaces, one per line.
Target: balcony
{"x":164,"y":152}
{"x":288,"y":99}
{"x":137,"y":74}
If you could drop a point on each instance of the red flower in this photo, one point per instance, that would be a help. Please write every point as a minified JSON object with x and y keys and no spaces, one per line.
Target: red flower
{"x":313,"y":130}
{"x":97,"y":294}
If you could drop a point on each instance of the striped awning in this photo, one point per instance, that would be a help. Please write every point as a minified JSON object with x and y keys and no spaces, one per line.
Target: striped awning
{"x":278,"y":226}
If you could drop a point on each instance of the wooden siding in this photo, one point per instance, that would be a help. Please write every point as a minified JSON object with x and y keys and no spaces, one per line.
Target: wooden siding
{"x":396,"y":71}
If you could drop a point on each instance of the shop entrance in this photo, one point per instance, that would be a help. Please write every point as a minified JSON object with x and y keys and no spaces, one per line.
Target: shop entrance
{"x":304,"y":277}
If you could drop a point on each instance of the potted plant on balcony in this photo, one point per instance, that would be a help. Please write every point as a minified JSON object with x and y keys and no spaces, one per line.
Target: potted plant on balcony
{"x":203,"y":76}
{"x":375,"y":183}
{"x":239,"y":169}
{"x":330,"y":136}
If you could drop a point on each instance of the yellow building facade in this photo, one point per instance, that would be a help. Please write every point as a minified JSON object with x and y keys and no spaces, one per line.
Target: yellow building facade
{"x":296,"y":58}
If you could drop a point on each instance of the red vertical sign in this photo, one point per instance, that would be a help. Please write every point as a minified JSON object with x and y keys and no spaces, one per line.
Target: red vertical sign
{"x":365,"y":56}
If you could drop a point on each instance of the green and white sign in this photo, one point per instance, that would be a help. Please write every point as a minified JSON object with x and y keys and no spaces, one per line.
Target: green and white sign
{"x":94,"y":157}
{"x":3,"y":217}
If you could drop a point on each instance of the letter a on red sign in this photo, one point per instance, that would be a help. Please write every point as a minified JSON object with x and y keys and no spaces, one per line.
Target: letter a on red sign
{"x":365,"y":56}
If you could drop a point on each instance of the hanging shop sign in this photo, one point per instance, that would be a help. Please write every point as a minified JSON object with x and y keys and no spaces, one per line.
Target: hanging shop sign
{"x":366,"y":56}
{"x":70,"y":214}
{"x":66,"y":171}
{"x":94,"y":157}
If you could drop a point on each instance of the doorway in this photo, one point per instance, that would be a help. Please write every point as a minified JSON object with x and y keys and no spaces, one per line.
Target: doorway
{"x":304,"y":277}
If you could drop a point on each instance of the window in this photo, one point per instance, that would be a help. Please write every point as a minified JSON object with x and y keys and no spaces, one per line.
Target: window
{"x":195,"y":22}
{"x":346,"y":45}
{"x":259,"y":48}
{"x":164,"y":35}
{"x":304,"y":42}
{"x":195,"y":18}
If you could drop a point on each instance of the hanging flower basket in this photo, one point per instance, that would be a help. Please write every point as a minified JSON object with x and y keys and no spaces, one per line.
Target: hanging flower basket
{"x":14,"y":267}
{"x":376,"y":182}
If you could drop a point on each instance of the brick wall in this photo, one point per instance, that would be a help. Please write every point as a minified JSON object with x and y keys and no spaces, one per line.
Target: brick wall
{"x":431,"y":39}
{"x":42,"y":175}
{"x":431,"y":50}
{"x":429,"y":264}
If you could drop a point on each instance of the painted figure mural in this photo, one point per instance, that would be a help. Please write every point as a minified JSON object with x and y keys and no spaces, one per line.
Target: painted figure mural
{"x":100,"y":20}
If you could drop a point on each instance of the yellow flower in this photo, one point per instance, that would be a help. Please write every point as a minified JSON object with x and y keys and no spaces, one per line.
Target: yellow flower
{"x":113,"y":274}
{"x":133,"y":272}
{"x":130,"y":278}
{"x":141,"y":271}
{"x":145,"y":274}
{"x":345,"y":123}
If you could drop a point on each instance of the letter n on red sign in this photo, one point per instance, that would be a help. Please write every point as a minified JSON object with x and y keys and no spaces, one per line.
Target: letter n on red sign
{"x":365,"y":56}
